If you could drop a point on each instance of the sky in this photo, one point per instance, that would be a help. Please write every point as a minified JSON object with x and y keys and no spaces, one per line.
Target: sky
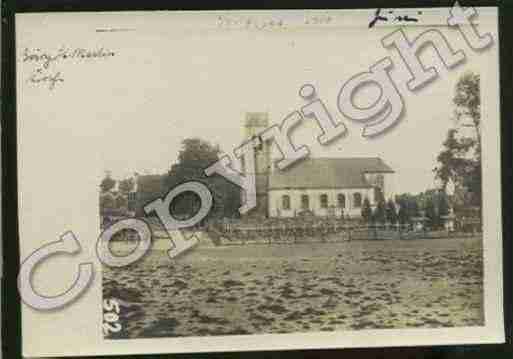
{"x":172,"y":80}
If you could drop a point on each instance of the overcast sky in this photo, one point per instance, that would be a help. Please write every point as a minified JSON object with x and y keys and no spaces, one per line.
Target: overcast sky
{"x":172,"y":80}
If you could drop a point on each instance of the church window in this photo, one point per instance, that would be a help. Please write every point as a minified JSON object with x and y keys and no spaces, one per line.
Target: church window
{"x":305,"y":202}
{"x":341,"y":200}
{"x":285,"y":202}
{"x":357,"y":200}
{"x":324,"y":200}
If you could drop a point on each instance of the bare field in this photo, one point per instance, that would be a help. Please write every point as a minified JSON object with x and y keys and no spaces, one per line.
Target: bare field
{"x":256,"y":289}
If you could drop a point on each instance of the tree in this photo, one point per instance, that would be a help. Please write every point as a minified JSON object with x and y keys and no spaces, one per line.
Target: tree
{"x":366,"y":210}
{"x":391,"y":212}
{"x":194,"y":157}
{"x":414,"y":209}
{"x":107,"y":202}
{"x":459,"y":162}
{"x":433,"y":219}
{"x":409,"y":206}
{"x":121,"y":202}
{"x":379,"y":214}
{"x":127,"y":185}
{"x":453,"y":163}
{"x":467,"y":100}
{"x":403,"y":216}
{"x":443,"y":205}
{"x":107,"y":183}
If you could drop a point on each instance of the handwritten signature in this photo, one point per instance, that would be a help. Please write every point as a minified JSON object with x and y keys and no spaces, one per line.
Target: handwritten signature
{"x":45,"y":74}
{"x":379,"y":17}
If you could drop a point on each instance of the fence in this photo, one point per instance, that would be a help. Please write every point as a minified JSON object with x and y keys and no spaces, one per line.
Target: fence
{"x":295,"y":230}
{"x":306,"y":231}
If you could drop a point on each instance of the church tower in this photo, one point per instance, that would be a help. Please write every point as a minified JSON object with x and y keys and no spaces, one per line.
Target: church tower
{"x":256,"y":123}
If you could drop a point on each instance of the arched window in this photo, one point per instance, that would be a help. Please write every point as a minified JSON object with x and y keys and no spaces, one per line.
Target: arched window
{"x":285,"y":202}
{"x":341,"y":200}
{"x":324,"y":200}
{"x":305,"y":202}
{"x":357,"y":200}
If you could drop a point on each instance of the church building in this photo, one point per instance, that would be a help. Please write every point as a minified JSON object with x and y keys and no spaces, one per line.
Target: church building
{"x":318,"y":186}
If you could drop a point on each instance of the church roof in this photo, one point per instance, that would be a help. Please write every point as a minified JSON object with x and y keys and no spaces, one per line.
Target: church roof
{"x":328,"y":173}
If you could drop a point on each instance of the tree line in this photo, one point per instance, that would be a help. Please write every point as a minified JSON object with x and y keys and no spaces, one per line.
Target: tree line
{"x":119,"y":197}
{"x":433,"y":205}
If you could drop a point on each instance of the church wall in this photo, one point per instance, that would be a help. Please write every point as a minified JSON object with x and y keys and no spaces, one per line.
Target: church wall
{"x":276,"y":201}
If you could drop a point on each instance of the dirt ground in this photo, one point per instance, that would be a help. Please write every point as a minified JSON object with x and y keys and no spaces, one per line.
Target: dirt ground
{"x":256,"y":289}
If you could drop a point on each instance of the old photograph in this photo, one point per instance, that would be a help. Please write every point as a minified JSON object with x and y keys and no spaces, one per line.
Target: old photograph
{"x":259,"y":180}
{"x":330,"y":246}
{"x":373,"y":236}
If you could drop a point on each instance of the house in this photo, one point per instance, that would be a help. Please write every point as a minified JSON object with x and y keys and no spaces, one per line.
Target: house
{"x":320,"y":186}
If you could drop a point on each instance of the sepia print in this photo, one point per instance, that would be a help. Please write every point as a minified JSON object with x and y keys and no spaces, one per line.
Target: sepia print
{"x":332,"y":243}
{"x":259,"y":180}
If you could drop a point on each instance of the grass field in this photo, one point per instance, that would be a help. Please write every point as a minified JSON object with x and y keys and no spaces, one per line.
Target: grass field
{"x":256,"y":289}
